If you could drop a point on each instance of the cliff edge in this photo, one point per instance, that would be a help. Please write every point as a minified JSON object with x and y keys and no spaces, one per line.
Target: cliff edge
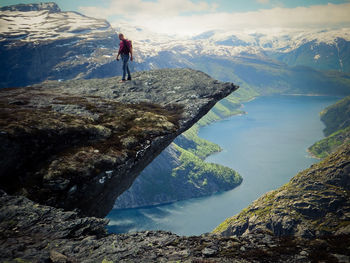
{"x":79,"y":144}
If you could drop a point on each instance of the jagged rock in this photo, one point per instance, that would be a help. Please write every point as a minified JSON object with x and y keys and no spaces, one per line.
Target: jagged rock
{"x":81,"y":143}
{"x":30,"y":232}
{"x":38,"y":233}
{"x":315,"y":202}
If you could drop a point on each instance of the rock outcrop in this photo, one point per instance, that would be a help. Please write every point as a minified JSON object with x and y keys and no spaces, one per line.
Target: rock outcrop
{"x":315,"y":203}
{"x":79,"y":144}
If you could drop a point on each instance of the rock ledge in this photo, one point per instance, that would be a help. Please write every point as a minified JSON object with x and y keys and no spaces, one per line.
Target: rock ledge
{"x":79,"y":144}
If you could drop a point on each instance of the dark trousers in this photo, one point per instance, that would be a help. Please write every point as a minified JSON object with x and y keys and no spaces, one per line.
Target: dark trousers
{"x":125,"y":59}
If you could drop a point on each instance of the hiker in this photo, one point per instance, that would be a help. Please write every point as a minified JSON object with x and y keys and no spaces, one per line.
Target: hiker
{"x":125,"y":47}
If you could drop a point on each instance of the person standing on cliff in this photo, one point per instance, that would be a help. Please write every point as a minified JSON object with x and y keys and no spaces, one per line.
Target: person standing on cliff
{"x":125,"y":48}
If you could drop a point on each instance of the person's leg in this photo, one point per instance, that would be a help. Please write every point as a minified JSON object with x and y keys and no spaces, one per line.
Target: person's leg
{"x":125,"y":59}
{"x":129,"y":75}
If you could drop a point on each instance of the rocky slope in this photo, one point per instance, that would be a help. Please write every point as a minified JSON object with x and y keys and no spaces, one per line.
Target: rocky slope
{"x":337,"y":120}
{"x":30,"y":232}
{"x":337,"y":116}
{"x":79,"y":144}
{"x":315,"y":203}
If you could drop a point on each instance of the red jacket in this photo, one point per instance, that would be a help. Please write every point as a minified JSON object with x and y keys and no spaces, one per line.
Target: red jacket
{"x":127,"y":49}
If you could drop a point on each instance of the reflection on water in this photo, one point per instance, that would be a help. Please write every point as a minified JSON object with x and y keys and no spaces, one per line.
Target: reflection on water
{"x":267,"y":147}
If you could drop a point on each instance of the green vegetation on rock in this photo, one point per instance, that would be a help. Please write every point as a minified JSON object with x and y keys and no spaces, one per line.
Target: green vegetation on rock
{"x":337,"y":120}
{"x":227,"y":107}
{"x":200,"y":173}
{"x":326,"y":146}
{"x":177,"y":174}
{"x":336,"y":116}
{"x":313,"y":203}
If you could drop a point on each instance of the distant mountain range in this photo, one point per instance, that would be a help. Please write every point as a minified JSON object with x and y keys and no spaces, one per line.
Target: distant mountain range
{"x":326,"y":49}
{"x":39,"y":42}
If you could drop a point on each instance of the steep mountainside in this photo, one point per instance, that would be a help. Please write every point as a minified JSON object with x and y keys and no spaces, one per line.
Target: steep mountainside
{"x":336,"y":116}
{"x":81,"y":143}
{"x":177,"y":174}
{"x":316,"y":202}
{"x":39,"y":42}
{"x":337,"y":120}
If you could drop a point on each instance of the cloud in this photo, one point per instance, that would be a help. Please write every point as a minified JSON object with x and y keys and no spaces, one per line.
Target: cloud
{"x":167,"y":16}
{"x":159,"y":8}
{"x":263,"y":1}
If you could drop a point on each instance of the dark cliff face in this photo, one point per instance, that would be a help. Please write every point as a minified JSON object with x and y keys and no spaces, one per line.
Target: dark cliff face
{"x":80,"y":144}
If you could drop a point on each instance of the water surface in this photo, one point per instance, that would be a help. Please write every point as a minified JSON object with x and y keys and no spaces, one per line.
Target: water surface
{"x":267,"y":147}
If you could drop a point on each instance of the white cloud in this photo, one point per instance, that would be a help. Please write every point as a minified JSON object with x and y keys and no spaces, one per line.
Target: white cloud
{"x":263,"y":1}
{"x":163,"y":16}
{"x":160,"y":8}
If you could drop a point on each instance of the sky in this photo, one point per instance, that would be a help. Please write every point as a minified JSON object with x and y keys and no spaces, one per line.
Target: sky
{"x":189,"y":17}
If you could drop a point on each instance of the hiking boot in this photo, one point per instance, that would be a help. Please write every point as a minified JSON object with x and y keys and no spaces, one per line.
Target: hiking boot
{"x":123,"y":80}
{"x":129,"y":78}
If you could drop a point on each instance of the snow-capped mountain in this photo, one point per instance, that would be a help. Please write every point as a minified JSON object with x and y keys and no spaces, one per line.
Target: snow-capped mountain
{"x":46,"y":22}
{"x":39,"y":42}
{"x":326,"y":49}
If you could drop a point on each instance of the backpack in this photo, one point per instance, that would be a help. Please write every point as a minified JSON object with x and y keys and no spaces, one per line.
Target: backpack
{"x":126,"y":48}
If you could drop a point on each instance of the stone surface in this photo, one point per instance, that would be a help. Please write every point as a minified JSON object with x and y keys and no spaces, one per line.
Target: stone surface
{"x":79,"y":144}
{"x":30,"y":232}
{"x":315,"y":203}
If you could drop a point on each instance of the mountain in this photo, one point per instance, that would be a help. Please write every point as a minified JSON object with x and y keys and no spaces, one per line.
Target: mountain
{"x":326,"y":49}
{"x":294,"y":61}
{"x":337,"y":120}
{"x":40,"y":42}
{"x":314,"y":203}
{"x":177,"y":174}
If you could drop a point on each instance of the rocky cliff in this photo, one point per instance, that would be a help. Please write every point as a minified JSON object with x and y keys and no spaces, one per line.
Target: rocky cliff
{"x":80,"y":144}
{"x":315,"y":203}
{"x":30,"y":232}
{"x":337,"y":120}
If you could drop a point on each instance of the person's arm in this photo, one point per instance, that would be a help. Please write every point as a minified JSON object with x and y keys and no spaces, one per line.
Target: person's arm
{"x":131,"y":57}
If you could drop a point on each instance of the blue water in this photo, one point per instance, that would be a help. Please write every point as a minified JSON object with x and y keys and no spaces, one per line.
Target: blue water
{"x":267,"y":147}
